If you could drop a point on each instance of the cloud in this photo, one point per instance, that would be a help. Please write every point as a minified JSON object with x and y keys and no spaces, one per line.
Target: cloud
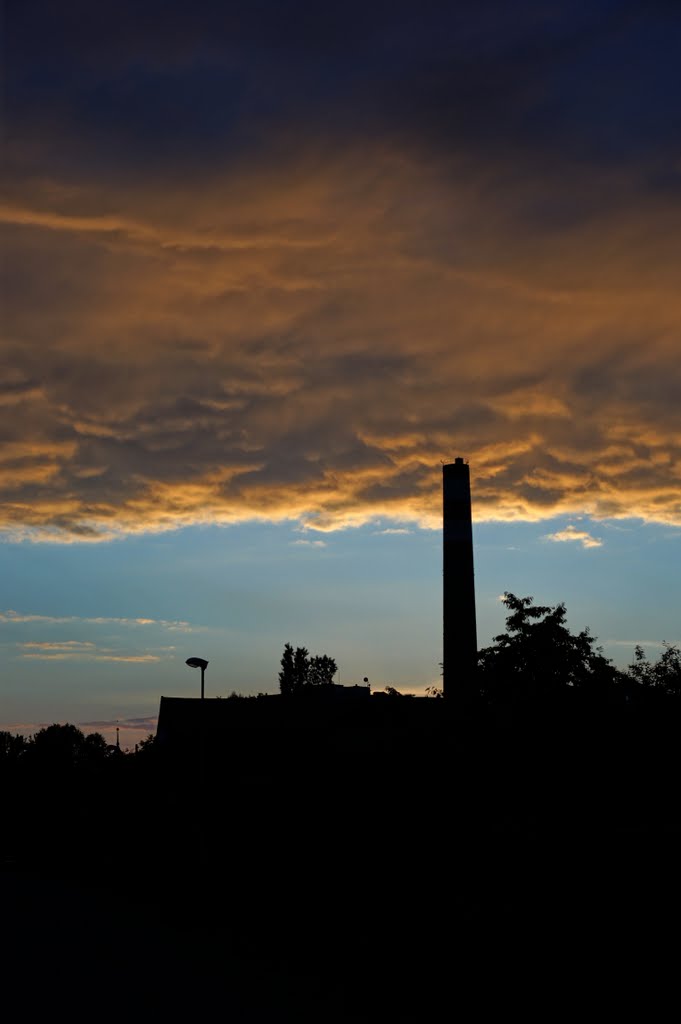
{"x":73,"y":651}
{"x":570,"y":533}
{"x":308,"y":543}
{"x":145,"y":723}
{"x":83,"y":650}
{"x":61,"y":647}
{"x":89,"y":650}
{"x":9,"y":616}
{"x":392,"y":530}
{"x":660,"y":644}
{"x":325,"y":388}
{"x":277,"y":268}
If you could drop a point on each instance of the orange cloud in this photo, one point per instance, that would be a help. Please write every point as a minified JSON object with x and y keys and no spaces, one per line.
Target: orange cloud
{"x":308,"y":342}
{"x":81,"y":650}
{"x":79,"y":656}
{"x":571,"y":533}
{"x":60,"y":647}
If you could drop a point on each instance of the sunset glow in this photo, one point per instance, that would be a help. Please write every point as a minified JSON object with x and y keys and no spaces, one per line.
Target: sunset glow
{"x":267,"y":271}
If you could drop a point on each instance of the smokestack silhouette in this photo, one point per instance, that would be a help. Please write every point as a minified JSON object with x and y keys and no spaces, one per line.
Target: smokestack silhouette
{"x":460,"y":643}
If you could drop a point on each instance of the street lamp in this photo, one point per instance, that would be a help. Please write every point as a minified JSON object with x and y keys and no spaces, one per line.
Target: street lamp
{"x":198,"y":663}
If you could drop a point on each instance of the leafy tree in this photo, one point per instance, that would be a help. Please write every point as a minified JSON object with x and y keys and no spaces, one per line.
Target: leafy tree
{"x":286,"y":672}
{"x":321,"y":670}
{"x":58,"y":745}
{"x":146,"y":748}
{"x":66,"y":746}
{"x":95,"y":748}
{"x":641,"y":670}
{"x":298,"y":670}
{"x":12,"y":747}
{"x":668,"y":670}
{"x":662,"y":676}
{"x":538,"y":655}
{"x":301,"y":665}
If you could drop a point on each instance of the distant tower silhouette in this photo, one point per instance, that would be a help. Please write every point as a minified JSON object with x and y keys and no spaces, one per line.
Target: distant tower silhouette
{"x":460,"y":643}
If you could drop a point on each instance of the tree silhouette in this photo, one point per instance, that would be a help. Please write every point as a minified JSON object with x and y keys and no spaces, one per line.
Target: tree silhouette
{"x":668,"y":670}
{"x":287,"y":672}
{"x":12,"y":747}
{"x":298,"y":670}
{"x":321,"y":670}
{"x":538,"y":655}
{"x":301,"y":662}
{"x":66,"y":746}
{"x":60,"y":745}
{"x":662,"y":677}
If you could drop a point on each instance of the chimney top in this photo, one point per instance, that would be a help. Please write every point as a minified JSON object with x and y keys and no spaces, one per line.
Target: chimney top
{"x":459,"y":461}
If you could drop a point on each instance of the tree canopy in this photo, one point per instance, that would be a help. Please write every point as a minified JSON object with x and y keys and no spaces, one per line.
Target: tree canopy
{"x":662,"y":677}
{"x":67,"y":746}
{"x":538,"y":655}
{"x":299,"y":670}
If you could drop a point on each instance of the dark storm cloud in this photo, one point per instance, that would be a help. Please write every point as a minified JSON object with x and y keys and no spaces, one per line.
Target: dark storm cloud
{"x":276,"y":260}
{"x":153,"y":81}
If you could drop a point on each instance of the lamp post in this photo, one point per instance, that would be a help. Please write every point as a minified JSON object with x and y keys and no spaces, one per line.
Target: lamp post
{"x":198,"y":663}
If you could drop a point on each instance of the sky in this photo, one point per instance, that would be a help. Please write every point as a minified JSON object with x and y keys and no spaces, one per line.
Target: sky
{"x":264,"y":267}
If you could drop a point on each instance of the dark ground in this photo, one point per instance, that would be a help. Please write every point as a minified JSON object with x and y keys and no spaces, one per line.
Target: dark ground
{"x":524,"y":867}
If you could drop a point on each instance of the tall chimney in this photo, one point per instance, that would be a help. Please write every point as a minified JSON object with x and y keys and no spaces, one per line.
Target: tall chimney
{"x":460,"y":644}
